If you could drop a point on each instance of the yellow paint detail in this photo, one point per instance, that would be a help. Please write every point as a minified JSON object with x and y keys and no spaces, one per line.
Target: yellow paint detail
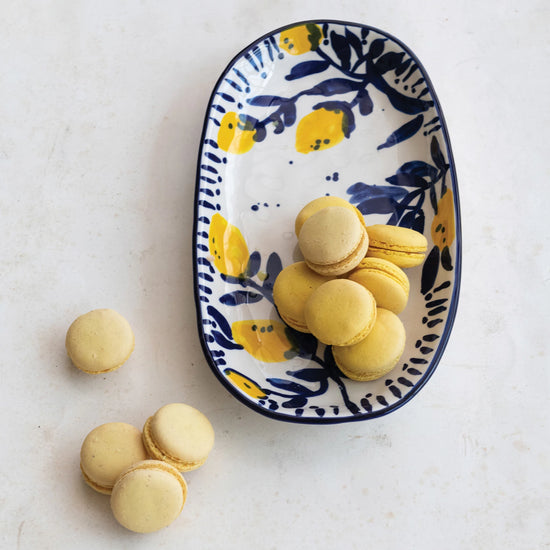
{"x":443,"y":224}
{"x":319,"y":130}
{"x":233,"y":137}
{"x":227,"y":246}
{"x":264,"y":339}
{"x":301,"y":39}
{"x":245,"y":384}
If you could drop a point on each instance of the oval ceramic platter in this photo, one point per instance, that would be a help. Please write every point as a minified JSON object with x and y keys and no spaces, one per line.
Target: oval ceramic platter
{"x":319,"y":108}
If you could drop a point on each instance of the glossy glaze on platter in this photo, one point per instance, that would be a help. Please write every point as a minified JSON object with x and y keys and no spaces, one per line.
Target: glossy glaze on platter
{"x":319,"y":108}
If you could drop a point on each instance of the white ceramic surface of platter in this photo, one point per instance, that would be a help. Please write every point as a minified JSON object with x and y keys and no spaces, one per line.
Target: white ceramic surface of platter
{"x":319,"y":108}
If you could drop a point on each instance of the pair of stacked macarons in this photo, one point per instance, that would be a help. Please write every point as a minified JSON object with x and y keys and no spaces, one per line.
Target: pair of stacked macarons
{"x":350,"y":287}
{"x":142,"y":472}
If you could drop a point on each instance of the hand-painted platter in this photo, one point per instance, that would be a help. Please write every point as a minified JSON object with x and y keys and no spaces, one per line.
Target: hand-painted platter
{"x":319,"y":108}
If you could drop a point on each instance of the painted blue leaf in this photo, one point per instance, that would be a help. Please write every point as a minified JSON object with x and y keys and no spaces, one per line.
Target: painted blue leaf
{"x":233,"y":280}
{"x":295,"y":402}
{"x":354,"y":42}
{"x":417,"y":223}
{"x":205,"y":276}
{"x":207,"y":204}
{"x":220,"y":320}
{"x":446,"y":260}
{"x":289,"y":385}
{"x":288,"y":111}
{"x":429,"y":270}
{"x":222,"y":341}
{"x":413,"y":371}
{"x":307,"y":68}
{"x":260,"y":133}
{"x":377,"y":47}
{"x":391,"y":61}
{"x":320,"y":412}
{"x":273,"y":267}
{"x":253,"y":266}
{"x":341,"y":48}
{"x":405,"y":382}
{"x":418,"y":168}
{"x":382,"y":400}
{"x":211,"y":142}
{"x":405,"y":179}
{"x":405,"y":104}
{"x":212,"y":157}
{"x":404,"y":132}
{"x":361,"y":191}
{"x":209,"y":168}
{"x":303,"y":343}
{"x":437,"y":154}
{"x":239,"y":297}
{"x":265,"y":100}
{"x":333,"y":86}
{"x":227,"y":97}
{"x":377,"y":205}
{"x":395,"y":390}
{"x":309,"y":374}
{"x":364,"y":102}
{"x":365,"y":403}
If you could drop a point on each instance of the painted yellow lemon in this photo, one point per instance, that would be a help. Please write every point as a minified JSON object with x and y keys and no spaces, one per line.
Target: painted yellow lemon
{"x":443,"y":224}
{"x":264,"y":339}
{"x":227,"y":246}
{"x":320,"y":130}
{"x":245,"y":384}
{"x":233,"y":137}
{"x":301,"y":39}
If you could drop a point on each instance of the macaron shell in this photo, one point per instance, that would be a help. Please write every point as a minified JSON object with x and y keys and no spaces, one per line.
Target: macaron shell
{"x":347,"y":264}
{"x":388,"y":283}
{"x":107,"y":451}
{"x":375,"y":355}
{"x":400,"y":245}
{"x":330,"y":235}
{"x":291,"y":289}
{"x":180,"y":435}
{"x":99,"y":341}
{"x":340,"y":312}
{"x":148,"y":496}
{"x":315,"y":205}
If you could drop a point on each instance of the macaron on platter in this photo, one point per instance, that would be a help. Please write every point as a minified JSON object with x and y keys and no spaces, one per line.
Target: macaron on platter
{"x":326,"y":237}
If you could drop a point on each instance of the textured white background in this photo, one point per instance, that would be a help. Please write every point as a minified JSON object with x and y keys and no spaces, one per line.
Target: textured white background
{"x":101,"y":110}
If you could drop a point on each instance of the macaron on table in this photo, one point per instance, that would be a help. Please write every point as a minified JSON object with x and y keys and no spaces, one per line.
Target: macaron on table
{"x":318,"y":154}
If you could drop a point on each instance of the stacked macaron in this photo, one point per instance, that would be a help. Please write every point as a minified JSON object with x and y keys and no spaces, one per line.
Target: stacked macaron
{"x":350,"y":288}
{"x":142,"y":471}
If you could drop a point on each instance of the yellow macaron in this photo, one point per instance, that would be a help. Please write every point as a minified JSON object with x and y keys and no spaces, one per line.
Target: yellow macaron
{"x":400,"y":245}
{"x":99,"y":341}
{"x":375,"y":355}
{"x":315,"y":205}
{"x":292,"y":287}
{"x":333,"y":241}
{"x":148,"y":496}
{"x":388,"y":283}
{"x":180,"y":435}
{"x":107,"y":451}
{"x":340,"y":312}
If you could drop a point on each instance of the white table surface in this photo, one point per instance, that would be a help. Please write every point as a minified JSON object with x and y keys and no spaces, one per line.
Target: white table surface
{"x":101,"y":110}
